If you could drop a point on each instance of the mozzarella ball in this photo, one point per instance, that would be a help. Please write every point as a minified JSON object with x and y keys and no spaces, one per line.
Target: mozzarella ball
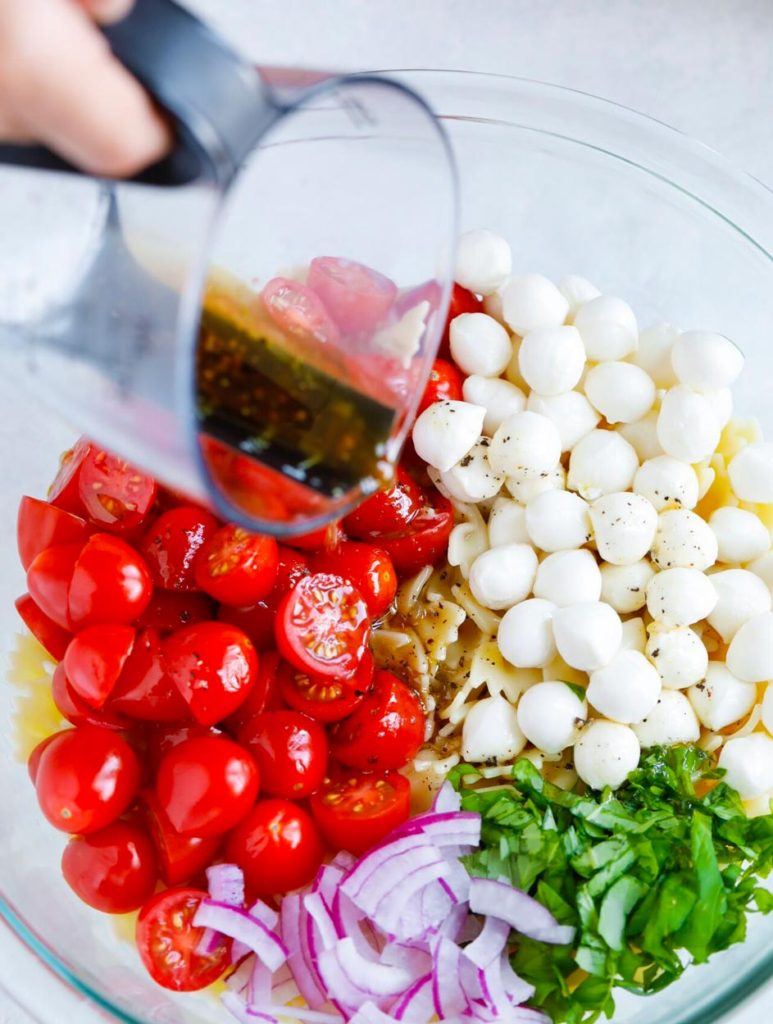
{"x":587,"y":635}
{"x":465,"y":542}
{"x":626,"y":689}
{"x":678,"y":654}
{"x":608,"y":328}
{"x":572,"y":414}
{"x":577,"y":291}
{"x":767,"y":708}
{"x":532,"y":301}
{"x":507,"y":523}
{"x":479,"y":344}
{"x":483,"y":261}
{"x":492,"y":304}
{"x":624,"y":587}
{"x":748,"y":762}
{"x":498,"y":397}
{"x":741,"y":536}
{"x":721,"y":699}
{"x":624,"y":526}
{"x":750,"y":654}
{"x":558,"y":521}
{"x":621,"y":392}
{"x":601,"y":463}
{"x":491,"y":731}
{"x":667,"y":482}
{"x":751,"y":473}
{"x":445,"y":432}
{"x":643,"y":436}
{"x":503,"y":576}
{"x":721,"y":402}
{"x":472,"y":479}
{"x":671,"y":721}
{"x":525,"y":443}
{"x":551,"y":359}
{"x":654,"y":353}
{"x":683,"y":540}
{"x":568,"y":577}
{"x":525,"y":636}
{"x":740,"y":596}
{"x":763,"y":567}
{"x":634,"y":635}
{"x":524,"y":487}
{"x":705,"y":361}
{"x":606,"y":753}
{"x":688,"y":427}
{"x":549,"y":715}
{"x":680,"y":597}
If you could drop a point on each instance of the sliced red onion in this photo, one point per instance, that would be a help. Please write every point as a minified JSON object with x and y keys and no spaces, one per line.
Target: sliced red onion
{"x":413,"y":959}
{"x":226,"y":884}
{"x":209,"y":942}
{"x":518,"y":990}
{"x":448,"y":994}
{"x":265,"y":914}
{"x":328,"y":881}
{"x":260,"y":985}
{"x":241,"y":976}
{"x":375,"y":979}
{"x":393,"y":876}
{"x":369,"y":1013}
{"x":319,"y":913}
{"x":237,"y":1006}
{"x":445,"y":828}
{"x":293,"y":923}
{"x":380,"y":857}
{"x":296,"y":1013}
{"x":500,"y":899}
{"x":416,"y":1005}
{"x":344,"y":860}
{"x":238,"y":924}
{"x":493,"y":989}
{"x":489,"y":944}
{"x":454,"y":923}
{"x":389,"y":908}
{"x":456,"y":882}
{"x":284,"y":992}
{"x":447,"y":799}
{"x":238,"y":949}
{"x":526,"y":1015}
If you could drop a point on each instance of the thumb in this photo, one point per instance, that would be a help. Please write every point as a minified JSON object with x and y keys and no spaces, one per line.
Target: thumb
{"x":107,"y":11}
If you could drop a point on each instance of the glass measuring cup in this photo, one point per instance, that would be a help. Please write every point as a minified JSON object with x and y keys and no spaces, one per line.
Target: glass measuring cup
{"x":253,"y":319}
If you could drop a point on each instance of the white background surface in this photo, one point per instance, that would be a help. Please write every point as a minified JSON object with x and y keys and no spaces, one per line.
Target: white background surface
{"x":700,"y":65}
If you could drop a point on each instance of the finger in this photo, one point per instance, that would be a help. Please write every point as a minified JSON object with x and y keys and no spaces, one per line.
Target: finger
{"x":107,"y":11}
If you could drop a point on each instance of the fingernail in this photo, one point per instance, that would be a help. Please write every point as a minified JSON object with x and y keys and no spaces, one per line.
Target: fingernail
{"x":108,"y":11}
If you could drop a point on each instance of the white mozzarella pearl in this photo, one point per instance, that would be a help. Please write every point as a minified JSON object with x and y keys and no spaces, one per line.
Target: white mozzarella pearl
{"x":551,"y":359}
{"x":606,"y":753}
{"x":688,"y":427}
{"x":678,"y":654}
{"x":568,"y":577}
{"x":524,"y":487}
{"x":445,"y":432}
{"x":748,"y":762}
{"x":503,"y":576}
{"x":654,"y":353}
{"x":634,"y":635}
{"x":525,"y":443}
{"x":624,"y":587}
{"x":767,"y":708}
{"x":587,"y":635}
{"x":741,"y":536}
{"x":507,"y":523}
{"x":479,"y":344}
{"x":572,"y":414}
{"x":751,"y":473}
{"x":683,"y":540}
{"x":498,"y":397}
{"x":621,"y":392}
{"x":525,"y":636}
{"x":532,"y":301}
{"x":721,"y":699}
{"x":705,"y":361}
{"x":549,"y":715}
{"x":491,"y":731}
{"x":492,"y":304}
{"x":680,"y":597}
{"x":721,"y":402}
{"x":483,"y":261}
{"x":667,"y":482}
{"x":626,"y":689}
{"x":763,"y":567}
{"x":643,"y":436}
{"x":558,"y":521}
{"x":740,"y":596}
{"x":577,"y":291}
{"x":472,"y":479}
{"x":608,"y":328}
{"x":601,"y":463}
{"x":671,"y":721}
{"x":750,"y":655}
{"x":624,"y":526}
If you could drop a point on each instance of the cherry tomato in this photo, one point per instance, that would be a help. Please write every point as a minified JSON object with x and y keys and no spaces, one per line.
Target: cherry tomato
{"x":171,"y":609}
{"x":444,"y":384}
{"x":87,"y":777}
{"x":113,"y":870}
{"x":64,"y":492}
{"x":290,"y":750}
{"x":462,"y":301}
{"x":257,"y":622}
{"x":237,"y":567}
{"x":357,"y":297}
{"x":94,"y":660}
{"x":369,"y":568}
{"x":144,"y":690}
{"x":206,"y":785}
{"x":181,"y":859}
{"x":325,"y":698}
{"x":34,"y":759}
{"x":173,"y":541}
{"x":360,"y":810}
{"x":428,"y":291}
{"x":389,"y":511}
{"x":299,"y":311}
{"x":264,"y":695}
{"x":214,"y":666}
{"x":425,"y":541}
{"x":49,"y":578}
{"x":110,"y":583}
{"x":385,"y":731}
{"x":159,"y":741}
{"x":168,"y":942}
{"x":322,"y":626}
{"x":291,"y":566}
{"x":252,"y":488}
{"x":72,"y":707}
{"x":40,"y":526}
{"x":48,"y":634}
{"x":277,"y":846}
{"x":116,"y":496}
{"x":325,"y":537}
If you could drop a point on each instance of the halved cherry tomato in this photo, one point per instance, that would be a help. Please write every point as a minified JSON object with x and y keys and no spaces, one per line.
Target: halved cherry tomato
{"x":257,"y":622}
{"x":94,"y":660}
{"x":64,"y":492}
{"x":357,"y":297}
{"x":264,"y":695}
{"x":45,"y":630}
{"x":444,"y":384}
{"x":290,"y":750}
{"x":214,"y":666}
{"x":206,"y":785}
{"x":462,"y":301}
{"x":236,"y":567}
{"x":385,"y":731}
{"x":254,"y":489}
{"x":159,"y":741}
{"x":110,"y":583}
{"x":143,"y":689}
{"x":325,"y":537}
{"x":388,"y":511}
{"x":277,"y":846}
{"x":425,"y":541}
{"x":72,"y":707}
{"x":322,"y":626}
{"x":170,"y":610}
{"x":116,"y":496}
{"x":168,"y":942}
{"x":359,"y":810}
{"x":173,"y":541}
{"x":299,"y":311}
{"x":40,"y":525}
{"x":49,"y":578}
{"x":291,"y":566}
{"x":113,"y":870}
{"x":369,"y":568}
{"x":34,"y":759}
{"x":181,"y":859}
{"x":429,"y":292}
{"x":325,"y":698}
{"x":86,"y":778}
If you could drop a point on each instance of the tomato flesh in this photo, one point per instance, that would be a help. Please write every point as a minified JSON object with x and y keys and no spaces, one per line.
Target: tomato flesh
{"x":172,"y":543}
{"x":424,"y":541}
{"x":181,"y":859}
{"x":110,"y":583}
{"x":48,"y":581}
{"x":264,"y":695}
{"x":77,"y":712}
{"x":388,"y":511}
{"x":325,"y":698}
{"x":357,"y":297}
{"x":237,"y":567}
{"x":49,"y":635}
{"x":290,"y":750}
{"x":94,"y":660}
{"x":299,"y":311}
{"x":170,"y":610}
{"x":64,"y":492}
{"x":359,"y":811}
{"x":144,"y":690}
{"x":444,"y":384}
{"x":113,"y":870}
{"x":116,"y":496}
{"x":40,"y":525}
{"x":369,"y":568}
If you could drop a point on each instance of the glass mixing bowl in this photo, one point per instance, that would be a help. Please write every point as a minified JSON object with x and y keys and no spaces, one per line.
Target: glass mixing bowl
{"x":578,"y":185}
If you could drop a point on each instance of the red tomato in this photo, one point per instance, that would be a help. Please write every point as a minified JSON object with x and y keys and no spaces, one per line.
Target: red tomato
{"x":429,"y":292}
{"x":49,"y":578}
{"x":110,"y":583}
{"x":277,"y":846}
{"x":159,"y":741}
{"x":264,"y":695}
{"x":385,"y":731}
{"x":359,"y":811}
{"x":45,"y":630}
{"x":94,"y":661}
{"x":369,"y":568}
{"x":168,"y":942}
{"x":115,"y":495}
{"x":237,"y":567}
{"x":72,"y":707}
{"x":34,"y":759}
{"x":144,"y":690}
{"x":206,"y":785}
{"x":214,"y":666}
{"x":87,"y":777}
{"x":173,"y":541}
{"x":181,"y":859}
{"x":325,"y":537}
{"x":389,"y":511}
{"x":462,"y":301}
{"x":290,"y":750}
{"x":256,"y":621}
{"x":322,"y":626}
{"x":113,"y":870}
{"x":325,"y":698}
{"x":425,"y":541}
{"x":64,"y":492}
{"x":40,"y":526}
{"x":170,"y":610}
{"x":291,"y":566}
{"x":299,"y":311}
{"x":444,"y":384}
{"x":357,"y":297}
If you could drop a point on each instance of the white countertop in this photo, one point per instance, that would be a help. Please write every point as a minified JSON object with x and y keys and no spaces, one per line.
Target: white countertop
{"x":701,"y":65}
